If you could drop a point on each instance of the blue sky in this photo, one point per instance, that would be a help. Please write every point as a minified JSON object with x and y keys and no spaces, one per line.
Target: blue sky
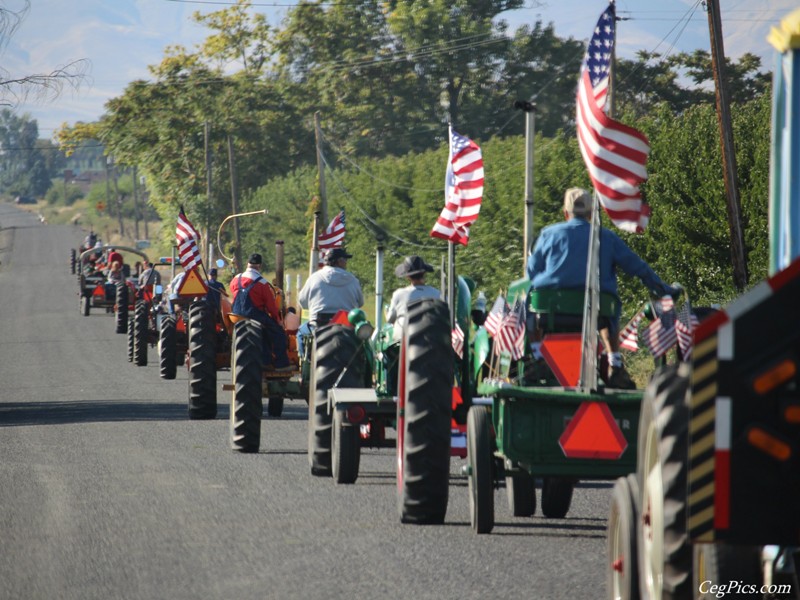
{"x":122,"y":37}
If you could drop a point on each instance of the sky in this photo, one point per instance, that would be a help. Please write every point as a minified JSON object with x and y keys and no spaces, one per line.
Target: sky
{"x":121,"y":38}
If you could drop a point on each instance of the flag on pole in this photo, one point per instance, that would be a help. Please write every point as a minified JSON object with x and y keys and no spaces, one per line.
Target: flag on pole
{"x":457,"y":339}
{"x":187,"y":239}
{"x":685,"y":325}
{"x":661,"y":335}
{"x":495,"y":317}
{"x":629,"y":336}
{"x":615,"y":154}
{"x":511,"y":336}
{"x":463,"y":190}
{"x":333,"y":236}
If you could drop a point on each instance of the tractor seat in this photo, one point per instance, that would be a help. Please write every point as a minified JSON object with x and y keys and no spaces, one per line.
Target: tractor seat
{"x":561,"y":311}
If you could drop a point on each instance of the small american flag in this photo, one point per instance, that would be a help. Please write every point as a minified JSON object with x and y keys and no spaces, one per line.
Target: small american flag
{"x":685,"y":325}
{"x":629,"y":337}
{"x":511,"y":337}
{"x":463,"y":190}
{"x":187,"y":238}
{"x":495,"y":317}
{"x":660,"y":336}
{"x":615,"y":154}
{"x":458,"y":340}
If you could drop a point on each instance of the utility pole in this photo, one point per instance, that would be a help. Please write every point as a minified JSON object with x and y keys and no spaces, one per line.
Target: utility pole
{"x":208,"y":184}
{"x":323,"y":197}
{"x":726,"y":141}
{"x":234,"y":204}
{"x":135,"y":206}
{"x":530,"y":121}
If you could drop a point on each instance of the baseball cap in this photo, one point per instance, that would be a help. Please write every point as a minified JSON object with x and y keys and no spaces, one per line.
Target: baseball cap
{"x":577,"y":202}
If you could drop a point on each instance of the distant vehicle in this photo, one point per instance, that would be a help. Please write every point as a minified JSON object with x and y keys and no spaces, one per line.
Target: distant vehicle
{"x":24,"y":200}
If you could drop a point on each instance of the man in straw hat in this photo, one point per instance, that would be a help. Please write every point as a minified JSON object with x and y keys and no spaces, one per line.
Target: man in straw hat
{"x":559,"y":262}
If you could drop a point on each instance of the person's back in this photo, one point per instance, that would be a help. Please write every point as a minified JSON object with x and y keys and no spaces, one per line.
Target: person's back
{"x":414,"y":269}
{"x":332,"y":288}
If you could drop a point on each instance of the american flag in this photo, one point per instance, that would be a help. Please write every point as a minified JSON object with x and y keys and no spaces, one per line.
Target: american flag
{"x":495,"y":317}
{"x":685,"y":325}
{"x":458,"y":340}
{"x":333,"y":236}
{"x":661,"y":335}
{"x":615,"y":154}
{"x":511,"y":337}
{"x":187,"y":238}
{"x":629,"y":336}
{"x":463,"y":190}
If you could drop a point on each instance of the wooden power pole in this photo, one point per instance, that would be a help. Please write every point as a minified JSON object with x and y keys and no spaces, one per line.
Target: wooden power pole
{"x":323,"y":198}
{"x":234,"y":205}
{"x":738,"y":256}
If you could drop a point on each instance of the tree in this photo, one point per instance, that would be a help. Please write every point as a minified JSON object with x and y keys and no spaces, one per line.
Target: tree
{"x":40,"y":86}
{"x":23,"y":166}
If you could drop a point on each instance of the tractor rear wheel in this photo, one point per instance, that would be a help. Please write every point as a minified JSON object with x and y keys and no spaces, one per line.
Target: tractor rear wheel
{"x":140,"y":333}
{"x":167,"y":359}
{"x":557,"y":496}
{"x":202,"y":362}
{"x":246,"y":402}
{"x":665,"y":555}
{"x":480,"y":460}
{"x":122,"y":307}
{"x":425,"y":413}
{"x":334,"y":349}
{"x":621,"y":560}
{"x":521,"y":491}
{"x":719,"y":563}
{"x":346,"y":449}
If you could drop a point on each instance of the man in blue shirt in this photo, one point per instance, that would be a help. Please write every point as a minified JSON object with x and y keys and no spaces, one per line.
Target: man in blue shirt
{"x":559,"y":262}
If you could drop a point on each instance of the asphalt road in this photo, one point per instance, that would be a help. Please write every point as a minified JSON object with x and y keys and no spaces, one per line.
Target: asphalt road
{"x":108,"y":491}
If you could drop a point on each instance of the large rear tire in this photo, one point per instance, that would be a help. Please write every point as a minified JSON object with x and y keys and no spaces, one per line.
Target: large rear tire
{"x":425,"y":413}
{"x":721,"y":563}
{"x":246,"y":402}
{"x":167,"y":338}
{"x":480,"y":459}
{"x":334,"y":349}
{"x":346,"y":449}
{"x":621,"y":558}
{"x":665,"y":555}
{"x":521,"y":491}
{"x":202,"y":362}
{"x":140,"y":333}
{"x":122,"y":307}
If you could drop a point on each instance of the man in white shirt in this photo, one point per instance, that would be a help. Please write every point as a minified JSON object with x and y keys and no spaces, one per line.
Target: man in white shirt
{"x":414,"y":269}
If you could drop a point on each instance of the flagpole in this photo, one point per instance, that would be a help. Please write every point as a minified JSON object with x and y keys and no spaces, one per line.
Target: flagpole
{"x":451,"y":281}
{"x":588,"y":376}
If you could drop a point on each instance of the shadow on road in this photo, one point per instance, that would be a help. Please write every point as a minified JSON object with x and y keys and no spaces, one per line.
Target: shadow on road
{"x":87,"y":411}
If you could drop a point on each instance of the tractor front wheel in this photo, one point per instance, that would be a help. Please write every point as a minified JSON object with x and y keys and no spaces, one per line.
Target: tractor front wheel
{"x":521,"y":490}
{"x":140,"y":333}
{"x":202,"y":362}
{"x":346,"y":449}
{"x":480,"y":461}
{"x":621,"y":560}
{"x":122,"y":307}
{"x":168,"y":362}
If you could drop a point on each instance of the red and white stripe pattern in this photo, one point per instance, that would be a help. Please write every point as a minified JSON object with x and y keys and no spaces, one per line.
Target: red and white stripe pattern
{"x":463,"y":190}
{"x":685,"y":325}
{"x":187,"y":238}
{"x":629,"y":336}
{"x":615,"y":154}
{"x":333,"y":236}
{"x":511,"y":336}
{"x":496,"y":316}
{"x":659,"y":337}
{"x":457,"y":339}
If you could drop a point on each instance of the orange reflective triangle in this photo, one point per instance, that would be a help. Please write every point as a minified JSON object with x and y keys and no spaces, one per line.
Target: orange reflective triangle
{"x":192,"y":285}
{"x":593,"y":433}
{"x":562,"y":353}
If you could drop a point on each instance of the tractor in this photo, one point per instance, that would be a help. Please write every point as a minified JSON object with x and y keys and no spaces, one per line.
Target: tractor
{"x":711,"y":510}
{"x":95,"y":292}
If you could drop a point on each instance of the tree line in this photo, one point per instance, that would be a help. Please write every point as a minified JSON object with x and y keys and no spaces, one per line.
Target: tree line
{"x":387,"y":78}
